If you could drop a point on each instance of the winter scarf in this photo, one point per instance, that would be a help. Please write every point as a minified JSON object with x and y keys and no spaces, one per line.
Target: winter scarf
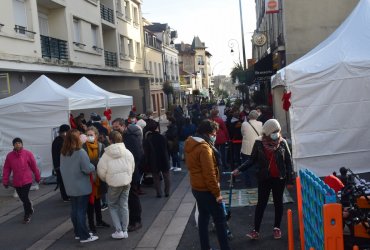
{"x":215,"y":151}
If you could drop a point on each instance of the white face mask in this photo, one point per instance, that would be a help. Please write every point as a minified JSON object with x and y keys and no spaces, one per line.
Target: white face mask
{"x":274,"y":136}
{"x":91,"y":138}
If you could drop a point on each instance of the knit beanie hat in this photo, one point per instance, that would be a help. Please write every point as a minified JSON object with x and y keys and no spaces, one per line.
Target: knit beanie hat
{"x":17,"y":139}
{"x":253,"y":114}
{"x":270,"y":127}
{"x":141,"y":123}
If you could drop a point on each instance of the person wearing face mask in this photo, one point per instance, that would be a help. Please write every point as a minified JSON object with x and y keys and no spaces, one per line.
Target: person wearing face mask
{"x":203,"y":161}
{"x":95,"y":150}
{"x":274,"y":171}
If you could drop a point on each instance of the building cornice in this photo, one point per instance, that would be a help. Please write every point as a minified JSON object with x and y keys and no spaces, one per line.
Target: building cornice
{"x":12,"y":66}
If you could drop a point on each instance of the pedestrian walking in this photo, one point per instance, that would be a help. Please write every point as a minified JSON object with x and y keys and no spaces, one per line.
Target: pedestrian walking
{"x":76,"y":168}
{"x":173,"y":144}
{"x":203,"y":159}
{"x":116,"y":168}
{"x":274,"y":171}
{"x":22,"y":164}
{"x":222,"y":137}
{"x":56,"y":147}
{"x":157,"y":159}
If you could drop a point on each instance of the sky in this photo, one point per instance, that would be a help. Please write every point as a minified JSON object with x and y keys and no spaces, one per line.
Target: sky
{"x":215,"y":22}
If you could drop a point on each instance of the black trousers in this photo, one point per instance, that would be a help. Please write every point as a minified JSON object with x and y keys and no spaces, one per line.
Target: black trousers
{"x":134,"y":205}
{"x":94,"y":209}
{"x":277,"y":186}
{"x":157,"y":182}
{"x":62,"y":189}
{"x":23,"y":195}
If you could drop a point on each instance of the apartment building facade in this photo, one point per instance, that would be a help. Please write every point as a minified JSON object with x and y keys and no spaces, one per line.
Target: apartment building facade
{"x":166,"y":35}
{"x":68,"y":39}
{"x":195,"y":66}
{"x":154,"y":64}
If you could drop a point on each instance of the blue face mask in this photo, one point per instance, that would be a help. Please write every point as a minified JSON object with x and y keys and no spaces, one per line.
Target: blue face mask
{"x":274,"y":136}
{"x":212,"y":138}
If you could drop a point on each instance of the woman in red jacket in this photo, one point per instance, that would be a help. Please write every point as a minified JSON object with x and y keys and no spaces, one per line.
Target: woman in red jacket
{"x":23,"y":164}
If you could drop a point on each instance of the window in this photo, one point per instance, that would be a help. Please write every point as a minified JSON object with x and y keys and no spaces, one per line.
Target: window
{"x":138,"y":50}
{"x":43,"y":23}
{"x":155,"y":72}
{"x":20,"y":16}
{"x":146,"y":38}
{"x":162,"y":101}
{"x":95,"y":35}
{"x":200,"y":60}
{"x":160,"y":73}
{"x":130,"y":49}
{"x":136,"y":16}
{"x":127,"y":10}
{"x":4,"y":83}
{"x":154,"y":103}
{"x":77,"y":30}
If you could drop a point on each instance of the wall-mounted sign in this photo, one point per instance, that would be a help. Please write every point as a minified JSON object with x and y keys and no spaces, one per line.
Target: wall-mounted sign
{"x":259,"y":39}
{"x":272,"y":6}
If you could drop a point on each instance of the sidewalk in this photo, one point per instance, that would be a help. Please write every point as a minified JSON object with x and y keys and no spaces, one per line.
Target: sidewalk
{"x":164,"y":220}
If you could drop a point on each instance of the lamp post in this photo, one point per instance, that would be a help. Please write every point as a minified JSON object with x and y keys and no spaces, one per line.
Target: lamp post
{"x":242,"y":31}
{"x":231,"y":44}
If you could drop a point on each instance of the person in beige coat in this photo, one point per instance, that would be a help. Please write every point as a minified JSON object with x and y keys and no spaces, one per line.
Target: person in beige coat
{"x":251,"y":129}
{"x":116,"y":168}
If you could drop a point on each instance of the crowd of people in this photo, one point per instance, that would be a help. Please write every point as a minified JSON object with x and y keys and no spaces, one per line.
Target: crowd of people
{"x":100,"y":165}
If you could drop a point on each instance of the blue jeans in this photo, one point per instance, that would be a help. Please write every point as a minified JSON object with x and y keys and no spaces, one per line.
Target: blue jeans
{"x":175,"y":159}
{"x":78,"y":216}
{"x":118,"y":206}
{"x":181,"y":149}
{"x":208,"y":206}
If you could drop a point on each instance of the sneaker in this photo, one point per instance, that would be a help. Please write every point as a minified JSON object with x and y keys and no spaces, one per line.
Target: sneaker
{"x":102,"y":224}
{"x":177,"y":169}
{"x":104,"y":207}
{"x":277,"y":233}
{"x":15,"y":194}
{"x":34,"y":187}
{"x":172,"y":168}
{"x":67,"y":200}
{"x":254,"y":235}
{"x":120,"y":235}
{"x":90,"y":239}
{"x":78,"y":237}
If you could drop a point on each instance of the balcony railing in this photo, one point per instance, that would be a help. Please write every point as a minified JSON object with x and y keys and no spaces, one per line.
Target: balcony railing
{"x":106,"y":14}
{"x":54,"y":48}
{"x":110,"y":58}
{"x":23,"y":30}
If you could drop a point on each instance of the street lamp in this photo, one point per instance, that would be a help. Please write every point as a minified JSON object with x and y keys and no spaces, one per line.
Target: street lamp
{"x":231,"y":44}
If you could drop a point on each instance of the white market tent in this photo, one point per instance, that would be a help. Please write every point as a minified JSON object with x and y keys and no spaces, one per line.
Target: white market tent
{"x":119,"y":104}
{"x":330,"y":124}
{"x":35,"y":115}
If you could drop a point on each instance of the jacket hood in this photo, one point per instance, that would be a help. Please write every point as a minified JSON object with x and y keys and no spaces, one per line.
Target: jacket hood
{"x":192,"y":142}
{"x":133,"y":129}
{"x":116,"y":150}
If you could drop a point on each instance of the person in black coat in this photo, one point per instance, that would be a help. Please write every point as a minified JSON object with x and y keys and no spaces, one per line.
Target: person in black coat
{"x":173,"y":144}
{"x":156,"y":156}
{"x":56,"y":147}
{"x":133,"y":140}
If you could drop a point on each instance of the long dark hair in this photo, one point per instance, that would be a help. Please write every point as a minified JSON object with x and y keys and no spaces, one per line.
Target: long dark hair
{"x":71,"y":142}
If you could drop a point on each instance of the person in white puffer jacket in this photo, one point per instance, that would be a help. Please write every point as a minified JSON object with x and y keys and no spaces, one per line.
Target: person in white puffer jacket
{"x":116,"y":167}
